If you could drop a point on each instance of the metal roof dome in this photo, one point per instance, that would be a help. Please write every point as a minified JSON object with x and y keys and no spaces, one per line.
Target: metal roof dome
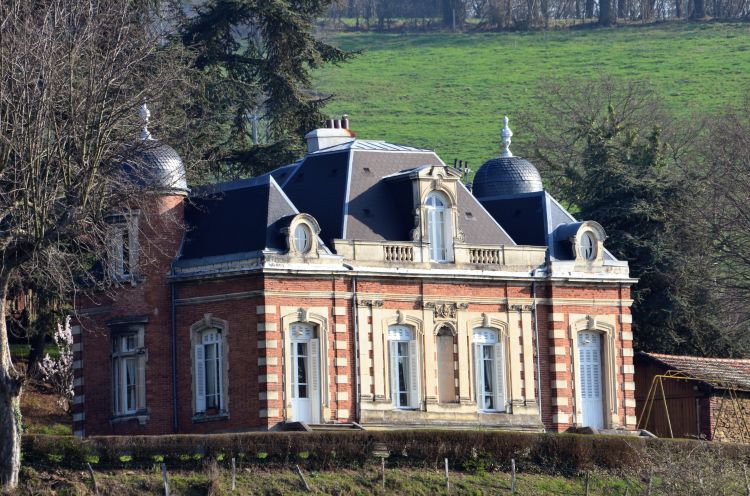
{"x":506,"y":175}
{"x":160,"y":166}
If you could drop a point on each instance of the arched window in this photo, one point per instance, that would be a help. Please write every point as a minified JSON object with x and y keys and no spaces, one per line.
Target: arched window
{"x":404,"y":367}
{"x":438,"y":226}
{"x":489,"y":370}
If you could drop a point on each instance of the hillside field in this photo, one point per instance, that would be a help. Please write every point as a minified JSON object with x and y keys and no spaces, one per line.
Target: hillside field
{"x":449,"y":91}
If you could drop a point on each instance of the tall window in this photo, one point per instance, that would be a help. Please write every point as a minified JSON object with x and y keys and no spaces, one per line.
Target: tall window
{"x":209,"y":372}
{"x":128,"y":372}
{"x":438,"y":226}
{"x":123,"y":248}
{"x":404,"y":367}
{"x":489,"y":369}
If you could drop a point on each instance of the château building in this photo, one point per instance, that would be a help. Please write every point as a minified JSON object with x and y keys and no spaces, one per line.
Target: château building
{"x":363,"y":283}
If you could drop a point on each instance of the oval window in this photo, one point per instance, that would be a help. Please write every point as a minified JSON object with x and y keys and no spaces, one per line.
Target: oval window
{"x":302,"y":238}
{"x":588,"y":246}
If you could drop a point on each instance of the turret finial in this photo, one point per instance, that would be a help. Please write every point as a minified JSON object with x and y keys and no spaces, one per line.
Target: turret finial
{"x":506,"y":134}
{"x":145,"y":114}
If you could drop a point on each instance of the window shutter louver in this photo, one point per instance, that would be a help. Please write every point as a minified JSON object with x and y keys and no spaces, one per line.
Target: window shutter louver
{"x":394,"y":372}
{"x":478,"y":382}
{"x":200,"y":380}
{"x":413,"y":374}
{"x":314,"y":368}
{"x":140,"y":382}
{"x":220,"y":368}
{"x":497,"y":354}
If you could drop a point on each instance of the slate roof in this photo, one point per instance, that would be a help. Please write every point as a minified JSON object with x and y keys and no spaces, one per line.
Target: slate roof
{"x":719,"y":373}
{"x":236,"y":217}
{"x":157,"y":165}
{"x":345,"y":188}
{"x":506,"y":176}
{"x":531,"y":219}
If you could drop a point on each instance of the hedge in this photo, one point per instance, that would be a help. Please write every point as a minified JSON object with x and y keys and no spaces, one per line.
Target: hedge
{"x":470,"y":450}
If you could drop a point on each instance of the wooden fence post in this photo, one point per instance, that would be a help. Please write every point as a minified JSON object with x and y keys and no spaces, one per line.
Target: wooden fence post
{"x":234,"y":476}
{"x":383,"y":471}
{"x":586,"y":487}
{"x":165,"y":478}
{"x":302,"y":478}
{"x":447,"y":482}
{"x":512,"y":476}
{"x":96,"y":489}
{"x":747,"y":483}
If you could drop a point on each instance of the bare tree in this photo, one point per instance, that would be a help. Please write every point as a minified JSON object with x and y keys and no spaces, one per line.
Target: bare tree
{"x":72,"y":74}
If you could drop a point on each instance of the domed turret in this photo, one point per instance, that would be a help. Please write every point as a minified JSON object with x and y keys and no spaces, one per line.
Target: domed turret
{"x":506,"y":175}
{"x":160,"y":165}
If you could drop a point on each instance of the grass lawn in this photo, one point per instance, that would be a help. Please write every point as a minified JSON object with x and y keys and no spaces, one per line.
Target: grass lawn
{"x":341,"y":482}
{"x":448,"y":91}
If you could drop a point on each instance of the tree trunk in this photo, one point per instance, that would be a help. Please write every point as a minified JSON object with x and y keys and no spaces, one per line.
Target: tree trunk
{"x":699,"y":9}
{"x":589,"y":9}
{"x":10,"y":404}
{"x":605,"y":15}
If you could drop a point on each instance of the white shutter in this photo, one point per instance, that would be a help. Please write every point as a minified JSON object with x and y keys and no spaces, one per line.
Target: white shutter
{"x":314,"y":375}
{"x":200,"y":380}
{"x":413,"y":374}
{"x":220,"y":368}
{"x":394,"y":372}
{"x":478,"y":383}
{"x":140,"y":385}
{"x":497,"y":354}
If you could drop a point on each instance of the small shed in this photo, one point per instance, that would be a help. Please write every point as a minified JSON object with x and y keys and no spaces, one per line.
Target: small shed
{"x":693,"y":397}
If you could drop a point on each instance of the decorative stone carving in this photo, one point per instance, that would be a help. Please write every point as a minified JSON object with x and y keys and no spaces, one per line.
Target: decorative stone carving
{"x":399,"y":317}
{"x":370,"y":303}
{"x":485,"y":320}
{"x":302,"y":315}
{"x":416,"y":233}
{"x":522,"y":308}
{"x":459,"y":236}
{"x":443,"y":310}
{"x":590,"y":322}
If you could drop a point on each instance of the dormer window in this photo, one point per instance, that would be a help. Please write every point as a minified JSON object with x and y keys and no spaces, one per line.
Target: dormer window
{"x":588,"y":246}
{"x":302,"y":238}
{"x":438,"y":226}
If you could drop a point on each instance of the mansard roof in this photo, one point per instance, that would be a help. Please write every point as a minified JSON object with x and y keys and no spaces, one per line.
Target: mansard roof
{"x":531,"y":219}
{"x":242,"y":216}
{"x":345,"y":188}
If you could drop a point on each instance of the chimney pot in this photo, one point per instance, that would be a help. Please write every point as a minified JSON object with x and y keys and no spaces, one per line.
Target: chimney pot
{"x":329,"y":123}
{"x":336,"y":124}
{"x":345,"y":121}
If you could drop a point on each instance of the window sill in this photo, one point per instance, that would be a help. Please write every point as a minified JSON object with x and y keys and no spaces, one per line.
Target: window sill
{"x":202,"y":417}
{"x":141,"y":416}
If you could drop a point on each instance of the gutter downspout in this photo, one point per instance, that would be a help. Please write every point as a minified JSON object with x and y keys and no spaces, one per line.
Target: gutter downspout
{"x":173,"y":330}
{"x":536,"y":338}
{"x":355,"y":317}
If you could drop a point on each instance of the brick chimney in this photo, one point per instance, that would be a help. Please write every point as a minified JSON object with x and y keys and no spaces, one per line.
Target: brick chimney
{"x":336,"y":132}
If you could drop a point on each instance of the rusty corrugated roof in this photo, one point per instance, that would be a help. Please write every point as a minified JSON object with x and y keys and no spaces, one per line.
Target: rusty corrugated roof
{"x":720,"y":373}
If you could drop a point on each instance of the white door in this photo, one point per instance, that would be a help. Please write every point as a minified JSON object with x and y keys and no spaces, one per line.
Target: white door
{"x":305,"y":376}
{"x":590,"y":358}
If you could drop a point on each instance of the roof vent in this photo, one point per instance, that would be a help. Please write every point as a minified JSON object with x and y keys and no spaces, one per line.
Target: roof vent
{"x":335,"y":133}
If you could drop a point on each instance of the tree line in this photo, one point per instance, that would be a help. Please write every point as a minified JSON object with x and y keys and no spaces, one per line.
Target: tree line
{"x":527,"y":14}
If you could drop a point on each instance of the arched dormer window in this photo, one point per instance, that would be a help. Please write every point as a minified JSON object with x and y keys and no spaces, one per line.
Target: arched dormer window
{"x":438,"y":226}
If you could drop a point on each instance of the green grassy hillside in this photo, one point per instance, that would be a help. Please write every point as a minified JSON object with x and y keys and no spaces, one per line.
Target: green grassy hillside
{"x":449,"y":91}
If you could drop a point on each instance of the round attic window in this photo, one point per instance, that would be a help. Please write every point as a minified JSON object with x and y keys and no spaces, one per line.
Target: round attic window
{"x":302,"y":238}
{"x":588,"y":246}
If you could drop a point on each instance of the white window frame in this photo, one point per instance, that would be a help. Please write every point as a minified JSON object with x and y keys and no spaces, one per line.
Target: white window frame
{"x":439,"y":226}
{"x":303,"y":238}
{"x":489,"y":340}
{"x":209,"y":338}
{"x":127,"y":348}
{"x":400,"y":337}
